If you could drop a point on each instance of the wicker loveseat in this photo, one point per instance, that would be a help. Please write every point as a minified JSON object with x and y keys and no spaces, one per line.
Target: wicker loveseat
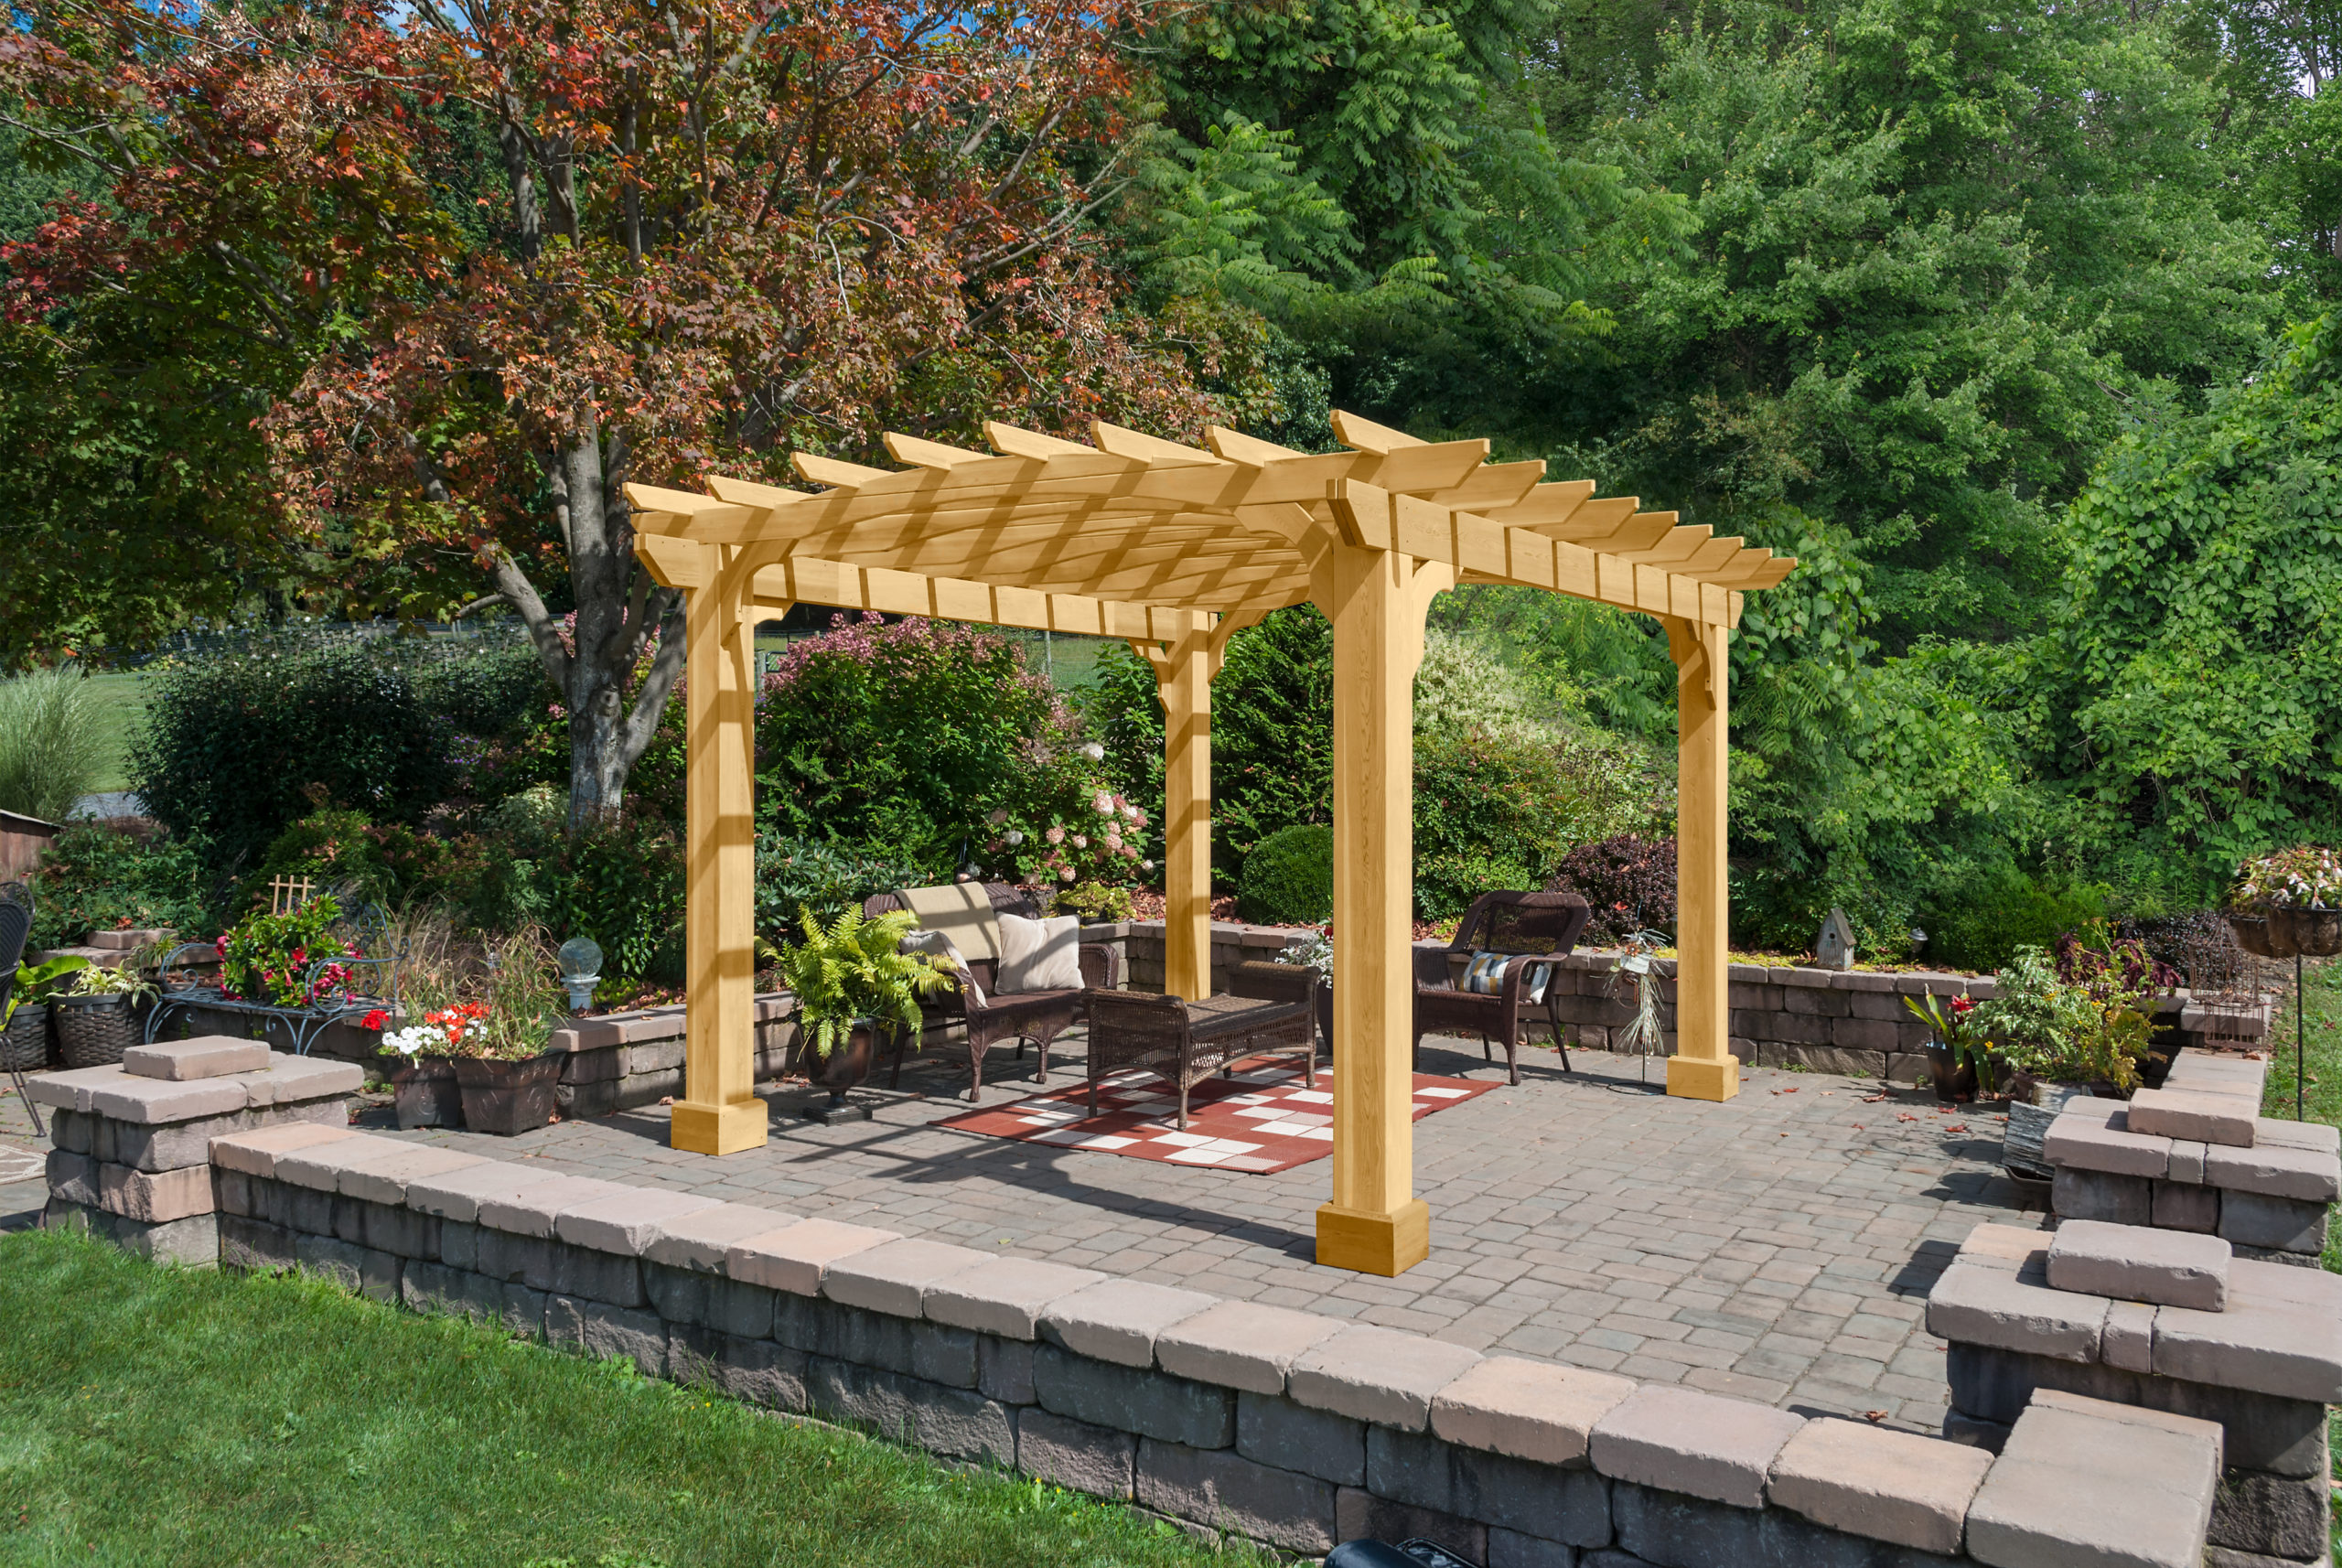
{"x":1532,"y":929}
{"x":1039,"y":1016}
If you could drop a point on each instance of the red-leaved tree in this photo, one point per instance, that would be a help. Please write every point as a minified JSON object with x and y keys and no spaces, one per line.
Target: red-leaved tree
{"x":530,"y":250}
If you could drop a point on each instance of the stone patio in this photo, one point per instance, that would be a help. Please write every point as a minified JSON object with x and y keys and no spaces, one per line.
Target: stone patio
{"x":1777,"y":1247}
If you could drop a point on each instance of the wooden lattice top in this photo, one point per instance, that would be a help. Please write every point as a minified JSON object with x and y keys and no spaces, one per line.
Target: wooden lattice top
{"x":1156,"y":526}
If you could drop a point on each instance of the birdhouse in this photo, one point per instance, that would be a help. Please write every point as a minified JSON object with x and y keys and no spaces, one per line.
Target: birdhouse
{"x":1834,"y":948}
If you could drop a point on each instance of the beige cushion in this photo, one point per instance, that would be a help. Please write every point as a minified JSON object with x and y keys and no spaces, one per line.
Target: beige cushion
{"x":960,"y":910}
{"x":1039,"y":955}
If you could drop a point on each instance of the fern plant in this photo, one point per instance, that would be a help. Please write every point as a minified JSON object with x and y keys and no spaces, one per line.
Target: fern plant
{"x":854,"y":969}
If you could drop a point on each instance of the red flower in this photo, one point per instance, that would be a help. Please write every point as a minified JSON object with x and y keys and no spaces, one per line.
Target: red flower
{"x":375,"y":1020}
{"x":1963,"y":1003}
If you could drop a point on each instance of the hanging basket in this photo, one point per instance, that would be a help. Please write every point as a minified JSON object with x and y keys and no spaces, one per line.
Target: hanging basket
{"x":2288,"y":933}
{"x":93,"y":1031}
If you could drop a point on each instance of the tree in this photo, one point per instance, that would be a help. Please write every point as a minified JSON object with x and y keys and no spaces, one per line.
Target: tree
{"x":2199,"y":620}
{"x":529,"y":252}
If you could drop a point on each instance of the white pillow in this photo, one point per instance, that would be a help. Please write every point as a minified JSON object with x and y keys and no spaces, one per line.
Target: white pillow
{"x":946,"y":955}
{"x":1039,"y":955}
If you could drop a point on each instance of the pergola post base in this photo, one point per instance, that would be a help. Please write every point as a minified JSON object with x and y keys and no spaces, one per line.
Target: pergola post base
{"x":720,"y":1129}
{"x":1691,"y":1078}
{"x":1386,"y":1244}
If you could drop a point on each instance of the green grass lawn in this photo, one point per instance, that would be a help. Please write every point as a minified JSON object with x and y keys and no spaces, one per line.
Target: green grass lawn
{"x":122,"y":703}
{"x":2321,"y":1081}
{"x":179,"y":1417}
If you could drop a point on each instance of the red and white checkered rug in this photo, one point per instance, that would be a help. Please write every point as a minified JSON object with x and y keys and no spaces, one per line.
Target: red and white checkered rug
{"x":1263,"y":1119}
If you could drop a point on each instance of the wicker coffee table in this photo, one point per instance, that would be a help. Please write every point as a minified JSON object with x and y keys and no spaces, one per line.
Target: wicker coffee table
{"x":1188,"y":1042}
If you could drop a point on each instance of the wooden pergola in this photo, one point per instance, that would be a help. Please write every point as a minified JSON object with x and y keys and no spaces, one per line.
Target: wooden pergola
{"x":1175,"y":548}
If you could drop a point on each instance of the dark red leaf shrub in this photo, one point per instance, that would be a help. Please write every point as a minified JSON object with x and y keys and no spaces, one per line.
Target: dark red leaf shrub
{"x":1628,"y":880}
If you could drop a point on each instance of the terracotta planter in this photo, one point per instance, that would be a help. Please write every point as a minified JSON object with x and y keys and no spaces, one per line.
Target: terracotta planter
{"x":509,"y":1097}
{"x":427,"y":1093}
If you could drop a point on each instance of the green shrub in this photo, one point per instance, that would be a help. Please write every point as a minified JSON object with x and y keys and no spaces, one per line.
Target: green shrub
{"x":52,"y":746}
{"x":1289,"y":877}
{"x":797,"y":874}
{"x":93,"y":878}
{"x":1980,"y":924}
{"x":1490,"y":812}
{"x":242,"y":746}
{"x":924,"y":745}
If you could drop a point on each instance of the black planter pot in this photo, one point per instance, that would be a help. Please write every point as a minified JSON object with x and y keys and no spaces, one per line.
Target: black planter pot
{"x":1954,"y":1080}
{"x":93,"y":1031}
{"x":849,"y":1064}
{"x":427,"y":1093}
{"x":509,"y":1097}
{"x":25,"y":1048}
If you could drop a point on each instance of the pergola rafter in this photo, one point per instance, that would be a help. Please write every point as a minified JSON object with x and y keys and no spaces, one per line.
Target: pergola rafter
{"x":1175,"y":548}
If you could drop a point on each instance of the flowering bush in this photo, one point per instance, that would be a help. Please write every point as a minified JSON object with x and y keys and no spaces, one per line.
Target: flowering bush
{"x":932,"y":745}
{"x":281,"y":959}
{"x":2306,"y":876}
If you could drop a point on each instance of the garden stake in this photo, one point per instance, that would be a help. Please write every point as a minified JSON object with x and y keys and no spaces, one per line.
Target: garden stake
{"x":2301,"y":1030}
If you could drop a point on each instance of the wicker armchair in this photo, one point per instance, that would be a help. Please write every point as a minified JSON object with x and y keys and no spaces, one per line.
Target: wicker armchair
{"x":1039,"y":1016}
{"x":1538,"y":928}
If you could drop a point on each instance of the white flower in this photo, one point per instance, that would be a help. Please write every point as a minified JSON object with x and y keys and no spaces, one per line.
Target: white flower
{"x":1095,"y":752}
{"x":1102,"y":803}
{"x":1079,"y":842}
{"x":1146,"y":865}
{"x":1131,"y":812}
{"x":1014,"y":838}
{"x":1064,"y":874}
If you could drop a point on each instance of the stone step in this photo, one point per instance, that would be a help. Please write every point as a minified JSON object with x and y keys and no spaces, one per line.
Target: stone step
{"x":2138,"y":1264}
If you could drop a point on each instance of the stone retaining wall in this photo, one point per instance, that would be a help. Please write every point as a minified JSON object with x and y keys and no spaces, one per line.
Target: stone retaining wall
{"x":1850,"y":1022}
{"x":131,"y":1157}
{"x":2197,"y":1155}
{"x":1291,"y":1429}
{"x":2095,"y":1310}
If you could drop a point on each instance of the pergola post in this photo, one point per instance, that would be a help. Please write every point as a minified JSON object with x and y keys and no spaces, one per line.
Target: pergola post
{"x":719,"y":1114}
{"x":1183,"y":672}
{"x":1702,"y":1067}
{"x":1375,"y":598}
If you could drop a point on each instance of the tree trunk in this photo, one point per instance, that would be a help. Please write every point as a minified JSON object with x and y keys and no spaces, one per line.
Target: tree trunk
{"x":619,"y":609}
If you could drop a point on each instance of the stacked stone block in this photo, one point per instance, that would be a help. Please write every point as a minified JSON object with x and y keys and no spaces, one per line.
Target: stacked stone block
{"x":1851,"y":1021}
{"x":2173,"y":1326}
{"x":1286,"y":1427}
{"x":2197,"y":1155}
{"x":132,"y":1143}
{"x":620,"y":1061}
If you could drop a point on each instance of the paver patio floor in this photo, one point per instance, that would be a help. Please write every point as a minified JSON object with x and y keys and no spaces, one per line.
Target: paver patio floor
{"x":1779,"y":1247}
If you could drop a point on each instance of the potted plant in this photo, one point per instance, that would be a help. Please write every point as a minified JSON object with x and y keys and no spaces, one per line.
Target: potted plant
{"x":24,"y":1026}
{"x":1097,"y":903}
{"x":856,"y":989}
{"x":1314,"y":952}
{"x":2066,"y":1035}
{"x":488,"y":1035}
{"x":1960,"y":1055}
{"x":2288,"y":903}
{"x":97,"y":1015}
{"x":286,"y":960}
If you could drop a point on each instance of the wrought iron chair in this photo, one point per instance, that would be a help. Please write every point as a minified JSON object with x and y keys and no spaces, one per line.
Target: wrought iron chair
{"x":1532,"y":930}
{"x":15,"y":929}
